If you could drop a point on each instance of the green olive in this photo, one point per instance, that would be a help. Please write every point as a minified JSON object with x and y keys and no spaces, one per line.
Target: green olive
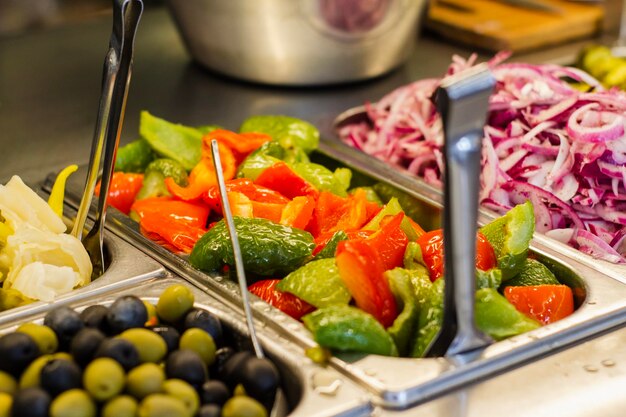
{"x":144,"y":380}
{"x":122,"y":406}
{"x":200,"y":342}
{"x":161,"y":405}
{"x":8,"y":384}
{"x":44,"y":336}
{"x":6,"y":401}
{"x":174,"y":302}
{"x":183,"y":391}
{"x":30,"y":376}
{"x":151,"y":346}
{"x":104,"y":378}
{"x":73,"y":403}
{"x":243,"y":406}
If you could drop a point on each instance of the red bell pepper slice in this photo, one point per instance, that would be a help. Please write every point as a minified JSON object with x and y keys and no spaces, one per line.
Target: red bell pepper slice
{"x":203,"y":175}
{"x":279,"y":177}
{"x":122,"y":190}
{"x":174,"y":235}
{"x":322,"y":240}
{"x":245,"y":186}
{"x":284,"y":301}
{"x":361,"y":271}
{"x":242,"y":144}
{"x":544,"y":303}
{"x":298,"y":212}
{"x":333,"y":213}
{"x":431,"y":244}
{"x":390,"y":242}
{"x":192,"y":214}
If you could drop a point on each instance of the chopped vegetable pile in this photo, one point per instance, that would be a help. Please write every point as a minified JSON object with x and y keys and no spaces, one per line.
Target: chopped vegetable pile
{"x":547,"y":141}
{"x":38,"y":261}
{"x":349,"y":262}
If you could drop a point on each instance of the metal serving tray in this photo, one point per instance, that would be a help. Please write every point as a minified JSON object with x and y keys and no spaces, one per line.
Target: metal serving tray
{"x":401,"y":176}
{"x":310,"y":389}
{"x":127,"y":267}
{"x":403,"y":382}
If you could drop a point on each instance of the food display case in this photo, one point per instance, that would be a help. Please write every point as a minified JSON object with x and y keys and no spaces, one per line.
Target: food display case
{"x":552,"y":366}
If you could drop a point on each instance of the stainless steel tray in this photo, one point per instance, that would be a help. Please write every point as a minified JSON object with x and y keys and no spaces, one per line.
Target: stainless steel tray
{"x":310,"y":389}
{"x":127,"y":267}
{"x":402,"y":382}
{"x":361,"y":160}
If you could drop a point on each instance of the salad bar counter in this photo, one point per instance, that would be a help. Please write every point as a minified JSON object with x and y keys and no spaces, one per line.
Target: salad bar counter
{"x":340,"y":236}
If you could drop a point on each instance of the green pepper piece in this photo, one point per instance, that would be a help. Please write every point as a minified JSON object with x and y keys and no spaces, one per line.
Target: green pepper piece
{"x":488,"y":279}
{"x":533,"y":273}
{"x":430,"y":319}
{"x":324,"y":179}
{"x":134,"y":157}
{"x":427,"y":216}
{"x":331,"y":246}
{"x":318,"y":283}
{"x":208,"y":128}
{"x":498,"y":318}
{"x":510,"y":237}
{"x":348,"y":329}
{"x":413,"y":256}
{"x":267,"y":248}
{"x":170,"y":140}
{"x":290,"y":132}
{"x":392,"y":207}
{"x":154,"y":178}
{"x":267,"y":155}
{"x":403,"y":328}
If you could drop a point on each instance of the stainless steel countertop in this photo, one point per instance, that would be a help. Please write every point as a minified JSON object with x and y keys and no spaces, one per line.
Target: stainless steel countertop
{"x":49,"y":89}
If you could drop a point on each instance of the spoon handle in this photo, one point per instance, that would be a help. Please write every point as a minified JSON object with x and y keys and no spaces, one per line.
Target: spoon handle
{"x":232,"y":231}
{"x":462,"y":101}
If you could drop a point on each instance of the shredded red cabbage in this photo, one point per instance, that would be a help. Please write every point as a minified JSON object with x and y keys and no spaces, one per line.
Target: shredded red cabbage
{"x":546,"y":141}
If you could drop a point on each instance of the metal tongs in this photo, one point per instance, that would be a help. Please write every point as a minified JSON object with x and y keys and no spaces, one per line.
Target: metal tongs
{"x":280,"y":406}
{"x":462,"y":101}
{"x":116,"y":78}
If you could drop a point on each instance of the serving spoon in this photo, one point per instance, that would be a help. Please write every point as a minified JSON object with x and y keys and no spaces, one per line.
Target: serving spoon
{"x":116,"y":78}
{"x":462,"y":101}
{"x":279,"y":406}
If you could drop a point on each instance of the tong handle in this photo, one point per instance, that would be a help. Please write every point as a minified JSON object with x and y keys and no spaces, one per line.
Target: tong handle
{"x":462,"y":101}
{"x":116,"y":77}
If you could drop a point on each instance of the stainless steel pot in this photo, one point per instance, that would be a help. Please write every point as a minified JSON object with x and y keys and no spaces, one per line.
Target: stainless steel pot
{"x":299,"y":42}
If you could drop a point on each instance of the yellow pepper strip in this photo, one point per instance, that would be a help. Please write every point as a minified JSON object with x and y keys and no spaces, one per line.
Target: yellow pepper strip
{"x":55,"y":201}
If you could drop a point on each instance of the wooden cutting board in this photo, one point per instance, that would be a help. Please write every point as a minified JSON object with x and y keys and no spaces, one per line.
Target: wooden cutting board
{"x":496,"y":26}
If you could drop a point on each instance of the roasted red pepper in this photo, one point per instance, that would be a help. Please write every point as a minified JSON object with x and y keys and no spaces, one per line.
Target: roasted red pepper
{"x":284,"y":301}
{"x":193,"y":214}
{"x":122,"y":190}
{"x":281,"y":178}
{"x":242,"y":144}
{"x":544,"y":303}
{"x":431,"y":244}
{"x":362,"y":272}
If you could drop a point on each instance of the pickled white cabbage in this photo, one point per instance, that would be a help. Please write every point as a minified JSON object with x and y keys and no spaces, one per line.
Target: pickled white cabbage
{"x":38,"y":259}
{"x":21,"y":205}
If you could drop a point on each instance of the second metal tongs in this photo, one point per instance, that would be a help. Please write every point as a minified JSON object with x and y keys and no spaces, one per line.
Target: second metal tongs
{"x":116,"y":78}
{"x":462,"y":101}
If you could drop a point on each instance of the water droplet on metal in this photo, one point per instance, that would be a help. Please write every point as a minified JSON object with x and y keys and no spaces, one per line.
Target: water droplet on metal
{"x":326,"y":383}
{"x":608,"y":363}
{"x":590,"y":368}
{"x":218,"y":278}
{"x":370,"y":372}
{"x":591,"y":302}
